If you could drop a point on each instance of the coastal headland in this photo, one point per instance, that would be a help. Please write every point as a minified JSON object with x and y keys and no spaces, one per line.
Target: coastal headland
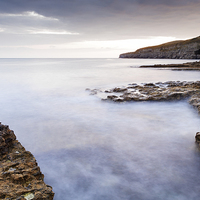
{"x":180,"y":49}
{"x":20,"y":175}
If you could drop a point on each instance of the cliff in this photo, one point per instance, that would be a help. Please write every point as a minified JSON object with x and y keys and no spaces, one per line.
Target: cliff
{"x":20,"y":175}
{"x":181,"y":49}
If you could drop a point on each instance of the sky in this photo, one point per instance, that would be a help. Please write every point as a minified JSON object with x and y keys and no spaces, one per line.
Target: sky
{"x":92,"y":28}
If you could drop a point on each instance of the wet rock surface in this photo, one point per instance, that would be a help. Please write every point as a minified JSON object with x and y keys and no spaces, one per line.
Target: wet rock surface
{"x":197,"y":137}
{"x":160,"y":91}
{"x":20,"y":175}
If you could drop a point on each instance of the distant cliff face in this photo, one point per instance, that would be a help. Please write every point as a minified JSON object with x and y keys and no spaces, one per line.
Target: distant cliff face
{"x":184,"y":49}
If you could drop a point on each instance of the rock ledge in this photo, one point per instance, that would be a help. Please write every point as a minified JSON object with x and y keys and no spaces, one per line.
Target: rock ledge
{"x":167,"y":91}
{"x":195,"y":66}
{"x":20,"y":175}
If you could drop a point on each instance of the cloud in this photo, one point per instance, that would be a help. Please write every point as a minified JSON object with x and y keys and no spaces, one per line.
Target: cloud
{"x":166,"y":2}
{"x":26,"y":14}
{"x":30,"y":22}
{"x":51,"y":32}
{"x":93,"y":23}
{"x":106,"y":19}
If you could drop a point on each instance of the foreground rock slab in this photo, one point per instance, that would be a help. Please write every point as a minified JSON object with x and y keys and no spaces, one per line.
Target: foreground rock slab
{"x":167,"y":91}
{"x":20,"y":175}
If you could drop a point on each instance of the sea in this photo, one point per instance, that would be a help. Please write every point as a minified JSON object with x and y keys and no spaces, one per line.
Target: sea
{"x":89,"y":149}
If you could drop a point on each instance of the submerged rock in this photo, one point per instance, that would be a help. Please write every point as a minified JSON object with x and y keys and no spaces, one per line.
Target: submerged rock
{"x":20,"y":175}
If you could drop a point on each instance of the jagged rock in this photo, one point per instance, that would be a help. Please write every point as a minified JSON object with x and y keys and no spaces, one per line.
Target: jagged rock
{"x":182,"y":49}
{"x":93,"y":92}
{"x":195,"y":101}
{"x":112,"y":97}
{"x":149,"y":85}
{"x":167,"y":91}
{"x":108,"y":91}
{"x":119,"y":89}
{"x":20,"y":175}
{"x":197,"y":137}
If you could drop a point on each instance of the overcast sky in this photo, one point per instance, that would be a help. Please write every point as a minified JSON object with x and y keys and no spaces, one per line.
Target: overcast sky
{"x":92,"y":28}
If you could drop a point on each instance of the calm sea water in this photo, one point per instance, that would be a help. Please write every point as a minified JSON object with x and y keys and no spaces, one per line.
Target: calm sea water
{"x":94,"y":150}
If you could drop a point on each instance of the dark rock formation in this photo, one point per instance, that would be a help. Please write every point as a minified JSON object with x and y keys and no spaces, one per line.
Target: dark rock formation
{"x":184,"y":66}
{"x":197,"y":138}
{"x":183,"y":49}
{"x":20,"y":176}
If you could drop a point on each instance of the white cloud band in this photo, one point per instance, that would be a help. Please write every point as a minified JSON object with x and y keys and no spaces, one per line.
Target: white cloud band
{"x":31,"y":14}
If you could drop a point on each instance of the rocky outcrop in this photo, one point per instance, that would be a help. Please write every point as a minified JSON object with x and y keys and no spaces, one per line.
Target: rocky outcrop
{"x":197,"y":138}
{"x":167,"y":91}
{"x":183,"y":49}
{"x":20,"y":175}
{"x":184,"y":66}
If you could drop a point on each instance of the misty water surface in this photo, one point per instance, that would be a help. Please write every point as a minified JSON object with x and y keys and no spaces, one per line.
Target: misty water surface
{"x":89,"y":149}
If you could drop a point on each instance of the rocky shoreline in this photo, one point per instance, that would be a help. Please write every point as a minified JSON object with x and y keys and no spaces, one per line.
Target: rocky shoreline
{"x":167,"y":91}
{"x":184,"y":66}
{"x":20,"y":175}
{"x":160,"y":91}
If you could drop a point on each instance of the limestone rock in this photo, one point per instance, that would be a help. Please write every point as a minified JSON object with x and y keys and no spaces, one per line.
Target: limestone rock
{"x":167,"y":91}
{"x":20,"y":175}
